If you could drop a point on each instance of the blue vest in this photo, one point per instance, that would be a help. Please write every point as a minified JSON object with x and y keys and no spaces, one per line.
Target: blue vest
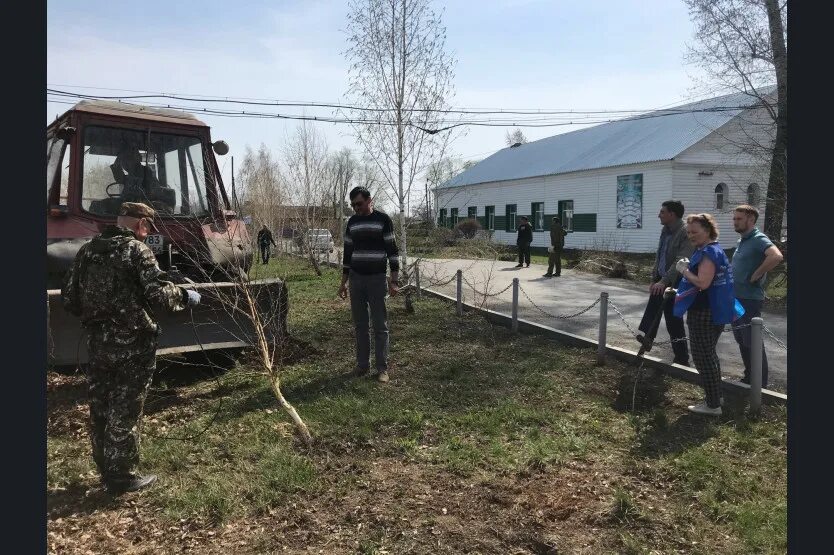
{"x":723,"y":304}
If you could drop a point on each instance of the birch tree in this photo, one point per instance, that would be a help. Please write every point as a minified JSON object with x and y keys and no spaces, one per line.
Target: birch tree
{"x":401,"y":81}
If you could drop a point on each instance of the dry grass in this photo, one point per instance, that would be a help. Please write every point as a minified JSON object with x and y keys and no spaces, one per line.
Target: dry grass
{"x":483,"y":442}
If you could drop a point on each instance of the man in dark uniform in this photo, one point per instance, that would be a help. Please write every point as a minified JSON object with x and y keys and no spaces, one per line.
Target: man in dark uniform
{"x":525,"y":237}
{"x":264,"y":239}
{"x":557,"y":243}
{"x":112,"y":283}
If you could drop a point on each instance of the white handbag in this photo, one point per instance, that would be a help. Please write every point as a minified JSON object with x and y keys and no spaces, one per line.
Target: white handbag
{"x":550,"y":248}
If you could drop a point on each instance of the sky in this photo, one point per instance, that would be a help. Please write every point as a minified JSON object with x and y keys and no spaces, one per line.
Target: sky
{"x":545,"y":54}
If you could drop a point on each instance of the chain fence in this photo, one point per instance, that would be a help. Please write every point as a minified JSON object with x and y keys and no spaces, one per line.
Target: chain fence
{"x":616,"y":309}
{"x":558,"y":316}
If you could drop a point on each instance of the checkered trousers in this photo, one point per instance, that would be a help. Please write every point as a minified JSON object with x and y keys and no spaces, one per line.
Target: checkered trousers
{"x":703,"y":337}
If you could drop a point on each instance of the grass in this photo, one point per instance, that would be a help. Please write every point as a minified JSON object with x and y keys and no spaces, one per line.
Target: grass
{"x":509,"y":433}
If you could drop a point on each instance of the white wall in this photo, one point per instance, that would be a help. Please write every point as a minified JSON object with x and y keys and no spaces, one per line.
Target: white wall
{"x":593,"y":191}
{"x":697,"y":193}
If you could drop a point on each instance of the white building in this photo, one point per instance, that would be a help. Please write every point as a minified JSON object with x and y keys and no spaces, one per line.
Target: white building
{"x":607,"y":182}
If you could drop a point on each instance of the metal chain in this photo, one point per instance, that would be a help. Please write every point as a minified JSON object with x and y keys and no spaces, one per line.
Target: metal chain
{"x":776,"y":339}
{"x":558,"y":316}
{"x":620,"y":314}
{"x":472,"y":286}
{"x":441,"y":283}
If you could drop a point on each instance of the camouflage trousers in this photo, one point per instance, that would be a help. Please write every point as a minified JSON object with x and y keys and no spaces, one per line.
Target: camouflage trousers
{"x":119,"y":374}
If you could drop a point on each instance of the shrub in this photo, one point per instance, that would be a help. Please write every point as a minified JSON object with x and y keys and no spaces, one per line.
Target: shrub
{"x":468,"y":228}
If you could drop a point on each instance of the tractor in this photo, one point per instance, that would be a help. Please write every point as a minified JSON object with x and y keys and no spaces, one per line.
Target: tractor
{"x":100,"y":154}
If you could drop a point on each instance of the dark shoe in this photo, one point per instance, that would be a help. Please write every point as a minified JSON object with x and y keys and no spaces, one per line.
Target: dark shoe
{"x":382,"y":376}
{"x":519,"y":265}
{"x":117,"y":487}
{"x":528,"y":266}
{"x":547,"y":275}
{"x":640,"y":338}
{"x":359,"y":372}
{"x":556,"y":275}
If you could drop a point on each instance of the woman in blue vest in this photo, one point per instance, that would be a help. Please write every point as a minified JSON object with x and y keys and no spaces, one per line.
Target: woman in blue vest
{"x":705,"y":294}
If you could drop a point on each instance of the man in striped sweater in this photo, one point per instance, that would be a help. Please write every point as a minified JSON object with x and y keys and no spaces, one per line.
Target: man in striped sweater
{"x":369,"y":246}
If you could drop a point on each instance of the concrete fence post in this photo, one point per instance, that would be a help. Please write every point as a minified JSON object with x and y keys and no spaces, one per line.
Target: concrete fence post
{"x":460,"y":292}
{"x":417,"y":279}
{"x":756,"y":346}
{"x":603,"y":327}
{"x":515,"y":306}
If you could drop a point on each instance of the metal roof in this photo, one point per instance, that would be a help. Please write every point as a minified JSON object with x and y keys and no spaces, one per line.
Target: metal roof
{"x":110,"y":107}
{"x":650,"y":137}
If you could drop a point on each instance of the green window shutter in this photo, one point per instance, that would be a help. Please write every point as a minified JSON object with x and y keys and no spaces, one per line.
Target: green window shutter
{"x":585,"y":222}
{"x":472,"y":212}
{"x":500,"y":222}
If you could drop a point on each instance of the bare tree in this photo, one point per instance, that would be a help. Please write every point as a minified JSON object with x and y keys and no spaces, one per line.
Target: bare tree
{"x":306,"y":159}
{"x":342,"y":172}
{"x":264,"y":187}
{"x":252,"y":311}
{"x":515,"y":137}
{"x":399,"y":68}
{"x":742,"y":45}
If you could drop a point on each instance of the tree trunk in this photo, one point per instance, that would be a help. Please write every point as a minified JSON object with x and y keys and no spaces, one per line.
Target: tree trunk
{"x":299,"y":424}
{"x":777,"y":187}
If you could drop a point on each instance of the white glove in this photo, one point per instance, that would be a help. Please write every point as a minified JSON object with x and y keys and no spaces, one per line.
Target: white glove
{"x":682,"y":265}
{"x":193,"y":297}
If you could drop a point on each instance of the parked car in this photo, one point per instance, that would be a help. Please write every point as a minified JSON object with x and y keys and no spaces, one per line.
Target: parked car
{"x":316,"y":240}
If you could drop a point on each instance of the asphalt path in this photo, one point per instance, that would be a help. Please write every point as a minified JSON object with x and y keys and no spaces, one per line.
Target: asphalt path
{"x":542,"y":299}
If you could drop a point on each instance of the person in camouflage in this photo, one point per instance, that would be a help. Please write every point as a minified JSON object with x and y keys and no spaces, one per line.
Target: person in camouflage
{"x":112,"y":283}
{"x":557,"y":244}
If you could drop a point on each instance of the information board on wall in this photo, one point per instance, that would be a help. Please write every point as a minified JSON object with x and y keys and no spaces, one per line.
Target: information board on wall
{"x":630,"y":201}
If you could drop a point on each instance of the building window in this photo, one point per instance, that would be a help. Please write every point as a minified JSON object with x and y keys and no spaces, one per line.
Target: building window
{"x":511,"y":213}
{"x":753,"y":194}
{"x":441,"y":219}
{"x":454,"y":217}
{"x":566,"y":214}
{"x":490,"y":217}
{"x":537,"y":209}
{"x":720,"y":196}
{"x":472,"y":212}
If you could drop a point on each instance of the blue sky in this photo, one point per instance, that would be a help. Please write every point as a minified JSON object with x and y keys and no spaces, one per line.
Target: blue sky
{"x":511,"y":54}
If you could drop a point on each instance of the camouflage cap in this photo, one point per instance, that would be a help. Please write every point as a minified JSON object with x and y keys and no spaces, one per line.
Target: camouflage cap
{"x":138,"y":210}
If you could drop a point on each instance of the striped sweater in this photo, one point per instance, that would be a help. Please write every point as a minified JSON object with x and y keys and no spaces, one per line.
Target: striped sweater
{"x":369,"y":242}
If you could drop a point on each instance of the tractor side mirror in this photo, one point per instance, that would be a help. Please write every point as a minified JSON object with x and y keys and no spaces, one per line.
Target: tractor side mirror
{"x":220,"y":147}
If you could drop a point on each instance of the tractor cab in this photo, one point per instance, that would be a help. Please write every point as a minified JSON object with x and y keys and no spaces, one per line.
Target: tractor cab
{"x":101,"y":154}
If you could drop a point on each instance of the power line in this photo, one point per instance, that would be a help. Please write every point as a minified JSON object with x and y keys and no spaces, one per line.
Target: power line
{"x":341,"y":106}
{"x":430,"y":127}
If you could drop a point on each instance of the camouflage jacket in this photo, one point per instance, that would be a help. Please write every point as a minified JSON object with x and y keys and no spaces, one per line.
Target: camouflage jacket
{"x":115,"y":279}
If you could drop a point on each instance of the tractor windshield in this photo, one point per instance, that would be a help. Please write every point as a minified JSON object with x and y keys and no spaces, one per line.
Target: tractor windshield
{"x":162,"y":170}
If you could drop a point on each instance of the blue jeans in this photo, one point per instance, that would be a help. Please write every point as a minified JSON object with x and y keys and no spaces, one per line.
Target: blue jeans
{"x":752,"y":309}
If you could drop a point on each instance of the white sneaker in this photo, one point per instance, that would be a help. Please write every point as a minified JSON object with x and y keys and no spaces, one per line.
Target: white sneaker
{"x":702,"y":408}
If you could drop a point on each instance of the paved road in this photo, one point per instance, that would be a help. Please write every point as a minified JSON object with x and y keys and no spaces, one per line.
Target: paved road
{"x":575,"y":290}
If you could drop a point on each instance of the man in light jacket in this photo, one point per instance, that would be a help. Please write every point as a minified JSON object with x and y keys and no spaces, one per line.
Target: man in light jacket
{"x":673,"y":246}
